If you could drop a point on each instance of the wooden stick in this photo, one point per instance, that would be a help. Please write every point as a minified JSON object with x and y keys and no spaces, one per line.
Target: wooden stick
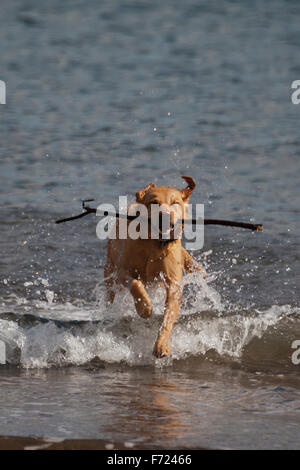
{"x":231,"y":223}
{"x":228,"y":223}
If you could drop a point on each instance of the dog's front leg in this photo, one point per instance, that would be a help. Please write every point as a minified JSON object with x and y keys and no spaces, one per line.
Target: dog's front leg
{"x":162,"y":346}
{"x":141,"y":298}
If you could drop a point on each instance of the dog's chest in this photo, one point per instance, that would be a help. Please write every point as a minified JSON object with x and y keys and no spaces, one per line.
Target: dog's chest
{"x":167,"y":266}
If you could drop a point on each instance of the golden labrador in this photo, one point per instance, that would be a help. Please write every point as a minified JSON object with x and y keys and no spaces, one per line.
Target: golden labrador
{"x":136,"y":263}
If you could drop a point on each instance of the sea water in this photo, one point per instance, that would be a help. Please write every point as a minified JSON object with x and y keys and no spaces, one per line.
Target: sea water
{"x":101,"y":99}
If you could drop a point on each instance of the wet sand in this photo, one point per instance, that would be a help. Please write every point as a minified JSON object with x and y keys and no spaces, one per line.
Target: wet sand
{"x":42,"y":443}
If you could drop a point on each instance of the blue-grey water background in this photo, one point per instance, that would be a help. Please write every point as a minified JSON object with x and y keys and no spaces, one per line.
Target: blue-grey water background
{"x":102,"y":98}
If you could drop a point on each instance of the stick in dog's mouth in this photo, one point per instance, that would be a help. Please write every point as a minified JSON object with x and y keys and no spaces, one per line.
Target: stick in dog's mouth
{"x":229,"y":223}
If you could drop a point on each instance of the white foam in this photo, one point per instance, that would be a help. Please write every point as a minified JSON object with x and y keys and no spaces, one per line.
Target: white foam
{"x":120,"y":335}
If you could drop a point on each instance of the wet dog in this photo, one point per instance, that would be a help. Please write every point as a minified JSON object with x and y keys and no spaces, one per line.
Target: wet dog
{"x":137,"y":263}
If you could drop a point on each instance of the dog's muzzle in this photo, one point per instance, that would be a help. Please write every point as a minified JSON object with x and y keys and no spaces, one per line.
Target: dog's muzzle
{"x":168,"y":228}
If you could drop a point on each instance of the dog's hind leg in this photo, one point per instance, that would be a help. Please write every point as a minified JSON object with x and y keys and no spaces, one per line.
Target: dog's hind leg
{"x":141,"y":298}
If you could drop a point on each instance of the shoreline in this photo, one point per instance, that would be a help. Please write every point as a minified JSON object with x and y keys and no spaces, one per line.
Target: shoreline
{"x":50,"y":443}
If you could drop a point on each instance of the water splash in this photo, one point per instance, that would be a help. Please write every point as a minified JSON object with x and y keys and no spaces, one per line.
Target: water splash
{"x":48,"y":333}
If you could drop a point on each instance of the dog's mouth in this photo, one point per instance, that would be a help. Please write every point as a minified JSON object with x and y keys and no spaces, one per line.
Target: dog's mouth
{"x":166,"y":234}
{"x":164,"y":228}
{"x":169,"y":233}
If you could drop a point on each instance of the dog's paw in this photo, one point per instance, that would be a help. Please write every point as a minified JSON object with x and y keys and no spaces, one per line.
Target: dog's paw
{"x":143,"y":308}
{"x":162,"y":348}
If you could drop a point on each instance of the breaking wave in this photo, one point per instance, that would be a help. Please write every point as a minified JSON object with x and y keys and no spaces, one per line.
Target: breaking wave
{"x":47,"y":333}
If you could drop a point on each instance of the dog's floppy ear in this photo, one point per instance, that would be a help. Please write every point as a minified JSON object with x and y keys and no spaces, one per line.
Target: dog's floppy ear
{"x":141,"y":193}
{"x":186,"y":192}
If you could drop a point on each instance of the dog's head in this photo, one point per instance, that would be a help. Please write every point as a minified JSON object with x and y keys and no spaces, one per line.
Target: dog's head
{"x":172,"y":206}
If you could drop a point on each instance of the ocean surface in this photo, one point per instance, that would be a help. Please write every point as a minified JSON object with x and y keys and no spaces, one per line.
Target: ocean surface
{"x":103,"y":98}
